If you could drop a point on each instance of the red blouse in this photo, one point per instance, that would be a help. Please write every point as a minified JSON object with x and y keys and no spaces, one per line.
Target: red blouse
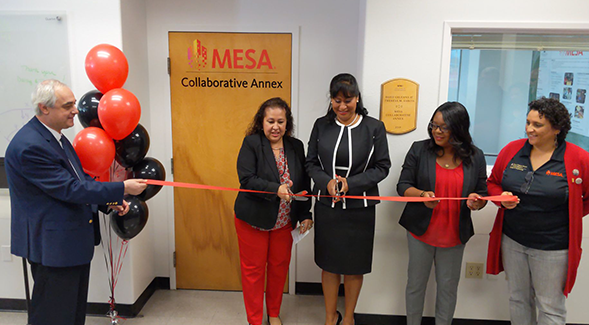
{"x":443,"y":227}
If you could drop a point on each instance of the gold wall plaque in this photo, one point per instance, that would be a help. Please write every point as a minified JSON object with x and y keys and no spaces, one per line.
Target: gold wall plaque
{"x":398,"y":105}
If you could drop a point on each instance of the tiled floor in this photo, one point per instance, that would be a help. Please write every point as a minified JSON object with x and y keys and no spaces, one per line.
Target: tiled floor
{"x":204,"y":308}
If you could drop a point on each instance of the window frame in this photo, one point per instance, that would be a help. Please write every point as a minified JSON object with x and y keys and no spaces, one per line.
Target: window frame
{"x":494,"y":27}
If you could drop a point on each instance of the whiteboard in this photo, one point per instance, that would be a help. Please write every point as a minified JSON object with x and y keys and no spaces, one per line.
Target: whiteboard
{"x":33,"y":47}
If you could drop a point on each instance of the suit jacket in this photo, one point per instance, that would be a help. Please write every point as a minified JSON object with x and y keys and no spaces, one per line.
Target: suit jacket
{"x":419,"y":171}
{"x":369,"y":153}
{"x":256,"y":168}
{"x":52,"y":221}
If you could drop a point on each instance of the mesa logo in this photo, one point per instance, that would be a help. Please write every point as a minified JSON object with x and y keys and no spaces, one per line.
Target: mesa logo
{"x":197,"y":55}
{"x":553,"y":173}
{"x":228,"y":58}
{"x":572,"y":53}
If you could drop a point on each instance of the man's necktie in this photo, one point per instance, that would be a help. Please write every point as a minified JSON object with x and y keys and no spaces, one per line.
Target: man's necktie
{"x":67,"y":147}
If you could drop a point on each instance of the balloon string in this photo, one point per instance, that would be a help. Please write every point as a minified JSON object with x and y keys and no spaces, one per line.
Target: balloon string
{"x":107,"y":252}
{"x":106,"y":227}
{"x":496,"y":198}
{"x":122,"y":255}
{"x":112,"y":280}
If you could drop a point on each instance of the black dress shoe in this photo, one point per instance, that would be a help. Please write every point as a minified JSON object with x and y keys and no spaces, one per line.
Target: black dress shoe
{"x":339,"y":317}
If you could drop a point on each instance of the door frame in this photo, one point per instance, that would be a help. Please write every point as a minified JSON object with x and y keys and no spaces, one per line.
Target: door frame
{"x":165,"y":116}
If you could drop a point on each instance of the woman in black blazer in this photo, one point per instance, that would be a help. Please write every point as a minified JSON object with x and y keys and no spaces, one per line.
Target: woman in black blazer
{"x":445,"y":165}
{"x":269,"y":160}
{"x":348,"y":154}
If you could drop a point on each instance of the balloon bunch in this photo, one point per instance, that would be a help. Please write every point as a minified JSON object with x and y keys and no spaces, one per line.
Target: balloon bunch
{"x":112,"y":146}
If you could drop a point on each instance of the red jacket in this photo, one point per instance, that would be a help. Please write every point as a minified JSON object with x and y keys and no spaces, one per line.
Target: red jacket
{"x":575,"y":158}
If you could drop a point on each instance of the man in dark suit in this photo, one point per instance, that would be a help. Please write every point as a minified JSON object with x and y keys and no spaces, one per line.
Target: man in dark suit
{"x":52,"y":200}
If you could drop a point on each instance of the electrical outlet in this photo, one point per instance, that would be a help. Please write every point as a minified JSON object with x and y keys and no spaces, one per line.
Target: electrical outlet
{"x":474,"y":270}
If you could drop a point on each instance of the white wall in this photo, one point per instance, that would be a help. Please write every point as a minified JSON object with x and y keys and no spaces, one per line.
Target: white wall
{"x":328,"y":33}
{"x":90,"y":23}
{"x":404,"y":40}
{"x":142,"y":259}
{"x":377,"y":40}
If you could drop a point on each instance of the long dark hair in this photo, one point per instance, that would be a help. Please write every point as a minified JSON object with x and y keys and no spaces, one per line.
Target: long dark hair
{"x":348,"y":86}
{"x":457,"y":120}
{"x":257,"y":124}
{"x":556,"y":113}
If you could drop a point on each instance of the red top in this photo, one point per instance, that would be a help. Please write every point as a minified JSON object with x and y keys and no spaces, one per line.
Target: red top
{"x":443,"y":227}
{"x":576,"y":162}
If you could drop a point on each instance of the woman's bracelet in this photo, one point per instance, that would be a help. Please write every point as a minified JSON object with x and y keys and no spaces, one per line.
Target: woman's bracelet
{"x":422,"y":193}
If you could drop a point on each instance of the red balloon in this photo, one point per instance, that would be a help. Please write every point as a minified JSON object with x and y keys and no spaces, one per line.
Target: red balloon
{"x":105,"y":177}
{"x":119,"y":112}
{"x":107,"y":67}
{"x":95,"y":149}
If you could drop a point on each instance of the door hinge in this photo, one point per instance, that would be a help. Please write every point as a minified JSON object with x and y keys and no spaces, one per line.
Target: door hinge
{"x":169,"y":67}
{"x":174,"y":258}
{"x":172,"y":165}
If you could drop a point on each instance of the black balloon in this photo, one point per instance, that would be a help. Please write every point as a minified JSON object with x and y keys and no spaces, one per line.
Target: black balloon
{"x":88,"y":109}
{"x":131,"y":149}
{"x":149,"y":168}
{"x":130,"y":224}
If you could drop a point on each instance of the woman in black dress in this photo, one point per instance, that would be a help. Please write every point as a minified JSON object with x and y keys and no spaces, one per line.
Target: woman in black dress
{"x":348,"y":154}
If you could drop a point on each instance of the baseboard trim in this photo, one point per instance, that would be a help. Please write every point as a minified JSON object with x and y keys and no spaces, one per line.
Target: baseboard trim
{"x":100,"y":309}
{"x":13,"y":304}
{"x":313,"y":289}
{"x":372,"y":319}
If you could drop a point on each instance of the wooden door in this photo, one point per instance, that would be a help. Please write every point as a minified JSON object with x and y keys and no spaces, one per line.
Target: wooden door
{"x":217,"y":81}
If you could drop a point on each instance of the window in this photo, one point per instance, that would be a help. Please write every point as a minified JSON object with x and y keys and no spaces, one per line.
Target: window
{"x":495,"y":76}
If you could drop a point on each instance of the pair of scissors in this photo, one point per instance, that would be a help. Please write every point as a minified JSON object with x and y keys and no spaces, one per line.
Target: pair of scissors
{"x":338,"y":190}
{"x":298,"y":198}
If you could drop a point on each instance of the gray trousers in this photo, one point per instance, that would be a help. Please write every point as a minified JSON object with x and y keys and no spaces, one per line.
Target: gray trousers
{"x":448,"y":262}
{"x":536,"y":281}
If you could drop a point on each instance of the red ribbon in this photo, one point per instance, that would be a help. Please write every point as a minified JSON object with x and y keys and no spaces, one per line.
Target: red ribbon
{"x":496,"y":198}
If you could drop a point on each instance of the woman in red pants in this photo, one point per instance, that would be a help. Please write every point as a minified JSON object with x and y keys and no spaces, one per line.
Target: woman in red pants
{"x":270,"y":160}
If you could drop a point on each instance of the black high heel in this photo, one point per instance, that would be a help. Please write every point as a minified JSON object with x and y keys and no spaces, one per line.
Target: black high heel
{"x":339,"y":317}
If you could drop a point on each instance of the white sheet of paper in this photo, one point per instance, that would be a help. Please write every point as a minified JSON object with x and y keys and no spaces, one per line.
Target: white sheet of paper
{"x":297,"y":236}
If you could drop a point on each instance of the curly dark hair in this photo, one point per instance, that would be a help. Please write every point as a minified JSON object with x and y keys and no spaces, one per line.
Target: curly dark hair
{"x":456,"y":118}
{"x":556,"y":113}
{"x":348,"y":86}
{"x":257,"y":124}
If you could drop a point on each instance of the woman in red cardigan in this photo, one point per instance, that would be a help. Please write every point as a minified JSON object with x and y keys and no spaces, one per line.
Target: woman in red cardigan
{"x":537,"y":240}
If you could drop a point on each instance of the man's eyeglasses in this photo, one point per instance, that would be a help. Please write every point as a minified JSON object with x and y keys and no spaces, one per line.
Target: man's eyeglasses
{"x":443,"y":128}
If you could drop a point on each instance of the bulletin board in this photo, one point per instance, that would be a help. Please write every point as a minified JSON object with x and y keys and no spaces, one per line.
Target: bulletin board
{"x":564,"y":75}
{"x":33,"y":47}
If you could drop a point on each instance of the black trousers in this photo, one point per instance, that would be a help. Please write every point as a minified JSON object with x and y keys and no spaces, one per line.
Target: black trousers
{"x":60,"y":294}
